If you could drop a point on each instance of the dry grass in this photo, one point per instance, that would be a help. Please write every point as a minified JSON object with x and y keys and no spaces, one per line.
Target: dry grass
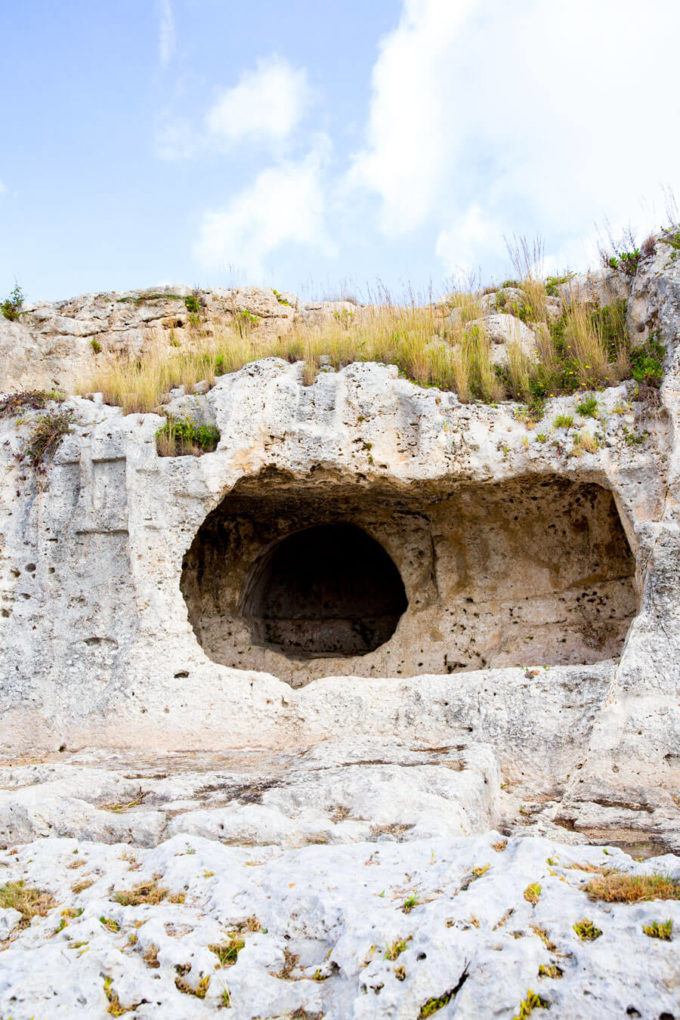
{"x":145,"y":892}
{"x":150,"y":956}
{"x":433,"y":344}
{"x":617,"y":888}
{"x":28,"y":901}
{"x":200,"y":989}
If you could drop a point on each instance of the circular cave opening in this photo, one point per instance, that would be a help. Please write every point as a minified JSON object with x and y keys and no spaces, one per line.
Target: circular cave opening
{"x":325,"y":591}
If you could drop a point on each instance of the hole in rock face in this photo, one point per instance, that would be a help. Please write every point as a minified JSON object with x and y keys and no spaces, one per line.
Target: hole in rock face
{"x":333,"y":576}
{"x":326,"y":591}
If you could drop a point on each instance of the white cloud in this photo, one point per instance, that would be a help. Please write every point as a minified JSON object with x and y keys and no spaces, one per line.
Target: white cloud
{"x":472,"y":231}
{"x":409,"y":133}
{"x":266,"y":104}
{"x":167,"y":37}
{"x":488,"y":118}
{"x":285,"y":205}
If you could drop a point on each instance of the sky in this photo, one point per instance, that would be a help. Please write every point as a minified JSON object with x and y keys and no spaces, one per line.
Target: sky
{"x":327,"y":148}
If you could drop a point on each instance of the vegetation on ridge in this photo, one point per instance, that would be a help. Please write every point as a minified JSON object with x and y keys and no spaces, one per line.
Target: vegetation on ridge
{"x":579,"y":345}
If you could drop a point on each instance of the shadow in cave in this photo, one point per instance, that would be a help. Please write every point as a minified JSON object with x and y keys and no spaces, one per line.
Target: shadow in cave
{"x":325,"y":591}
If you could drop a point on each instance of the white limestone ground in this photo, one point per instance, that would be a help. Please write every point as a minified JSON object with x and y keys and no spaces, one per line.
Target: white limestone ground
{"x":326,"y":850}
{"x":327,"y":916}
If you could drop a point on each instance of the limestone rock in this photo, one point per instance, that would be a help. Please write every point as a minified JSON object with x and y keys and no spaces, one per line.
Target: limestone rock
{"x":379,"y":930}
{"x":502,"y":330}
{"x":9,"y":919}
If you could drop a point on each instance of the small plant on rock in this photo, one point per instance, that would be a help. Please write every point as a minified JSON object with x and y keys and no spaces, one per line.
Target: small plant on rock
{"x":528,"y":1005}
{"x":11,"y":306}
{"x":182,"y":438}
{"x":588,"y":406}
{"x":394,"y":950}
{"x":659,"y":930}
{"x":227,"y":952}
{"x":586,"y":930}
{"x":200,"y":989}
{"x":532,"y":893}
{"x":550,"y":971}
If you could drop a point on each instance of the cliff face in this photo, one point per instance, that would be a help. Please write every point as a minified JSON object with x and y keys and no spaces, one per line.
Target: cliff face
{"x":350,"y":688}
{"x":523,"y":593}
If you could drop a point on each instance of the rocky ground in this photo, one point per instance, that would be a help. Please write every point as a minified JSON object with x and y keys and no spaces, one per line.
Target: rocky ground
{"x":361,"y":881}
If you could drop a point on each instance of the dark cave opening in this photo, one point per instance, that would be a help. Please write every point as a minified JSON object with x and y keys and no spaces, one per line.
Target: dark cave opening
{"x":325,"y":591}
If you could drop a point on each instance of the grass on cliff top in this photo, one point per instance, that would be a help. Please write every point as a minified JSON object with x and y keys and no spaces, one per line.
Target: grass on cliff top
{"x":437,"y":344}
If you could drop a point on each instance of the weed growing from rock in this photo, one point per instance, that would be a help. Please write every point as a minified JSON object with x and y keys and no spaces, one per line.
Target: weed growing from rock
{"x":550,"y":971}
{"x":46,"y":433}
{"x":12,"y":305}
{"x":659,"y":930}
{"x":586,"y":930}
{"x":528,"y":1005}
{"x":227,"y":952}
{"x":394,"y":951}
{"x":532,"y":893}
{"x":182,"y":438}
{"x":115,"y":1008}
{"x":588,"y":406}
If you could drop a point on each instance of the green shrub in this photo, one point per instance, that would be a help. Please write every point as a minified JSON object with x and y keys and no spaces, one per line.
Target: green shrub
{"x":563,"y":421}
{"x":647,"y":361}
{"x":95,"y":345}
{"x":192,"y":303}
{"x":552,"y":284}
{"x":181,"y":438}
{"x":626,"y":261}
{"x":11,"y":306}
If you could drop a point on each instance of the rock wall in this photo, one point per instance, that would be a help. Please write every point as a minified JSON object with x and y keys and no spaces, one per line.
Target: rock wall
{"x":122,"y":571}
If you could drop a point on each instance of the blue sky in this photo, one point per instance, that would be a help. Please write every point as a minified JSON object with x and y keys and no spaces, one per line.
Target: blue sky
{"x":321,"y":147}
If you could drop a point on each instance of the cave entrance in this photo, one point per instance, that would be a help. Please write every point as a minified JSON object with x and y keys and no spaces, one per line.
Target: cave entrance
{"x":325,"y":576}
{"x":325,"y":591}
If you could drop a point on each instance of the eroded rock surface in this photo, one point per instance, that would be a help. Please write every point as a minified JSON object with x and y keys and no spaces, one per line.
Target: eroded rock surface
{"x":358,"y":931}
